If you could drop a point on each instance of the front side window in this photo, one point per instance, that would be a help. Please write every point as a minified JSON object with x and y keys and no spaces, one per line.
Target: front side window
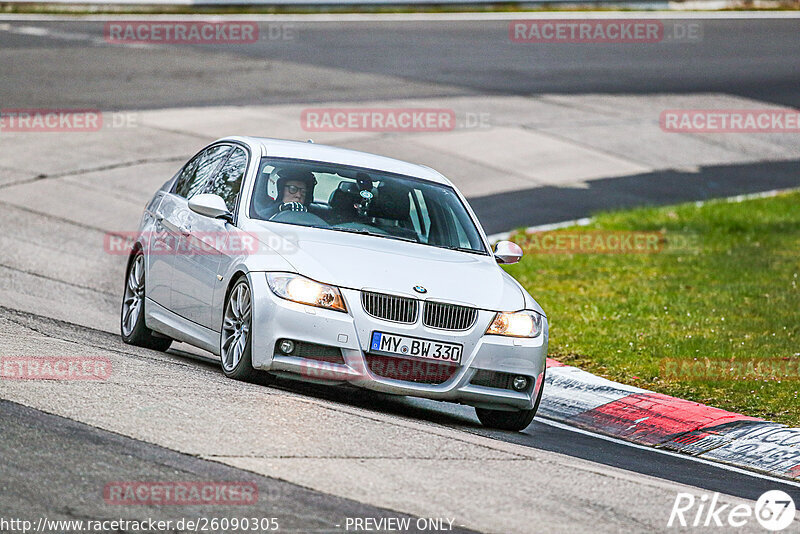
{"x":351,"y":199}
{"x":195,"y":175}
{"x":228,"y":181}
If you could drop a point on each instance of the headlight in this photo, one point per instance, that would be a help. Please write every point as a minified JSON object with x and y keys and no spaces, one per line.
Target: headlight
{"x":516,"y":324}
{"x":306,"y":291}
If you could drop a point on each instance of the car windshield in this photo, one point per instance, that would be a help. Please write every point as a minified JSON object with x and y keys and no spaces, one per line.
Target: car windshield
{"x":350,"y":199}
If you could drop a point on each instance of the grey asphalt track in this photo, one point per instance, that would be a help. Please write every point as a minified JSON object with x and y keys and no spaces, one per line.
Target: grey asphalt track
{"x":361,"y":61}
{"x":321,"y":62}
{"x":55,"y":468}
{"x":355,"y":62}
{"x":543,"y":436}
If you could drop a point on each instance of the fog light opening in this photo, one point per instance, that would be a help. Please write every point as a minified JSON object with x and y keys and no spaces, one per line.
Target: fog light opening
{"x":286,"y":346}
{"x":520,"y":383}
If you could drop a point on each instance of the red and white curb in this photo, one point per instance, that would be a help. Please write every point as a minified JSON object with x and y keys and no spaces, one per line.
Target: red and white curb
{"x":581,"y":399}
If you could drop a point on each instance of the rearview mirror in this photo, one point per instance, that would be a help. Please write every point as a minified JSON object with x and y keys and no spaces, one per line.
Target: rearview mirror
{"x":507,"y":252}
{"x":211,"y":206}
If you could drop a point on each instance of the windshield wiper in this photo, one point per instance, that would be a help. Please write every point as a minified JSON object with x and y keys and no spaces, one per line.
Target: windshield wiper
{"x":351,"y":230}
{"x":364,"y":231}
{"x":399,"y":238}
{"x":463,"y":249}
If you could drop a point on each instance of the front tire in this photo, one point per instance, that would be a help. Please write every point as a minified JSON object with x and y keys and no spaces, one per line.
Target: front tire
{"x":235,"y":336}
{"x":516,"y":421}
{"x":131,"y":321}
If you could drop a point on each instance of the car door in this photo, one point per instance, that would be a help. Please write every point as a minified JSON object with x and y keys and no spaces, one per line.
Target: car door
{"x":183,"y":298}
{"x":163,"y":242}
{"x":208,"y":249}
{"x":227,"y":184}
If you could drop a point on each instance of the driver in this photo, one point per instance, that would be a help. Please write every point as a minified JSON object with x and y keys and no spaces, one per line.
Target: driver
{"x":295,"y":190}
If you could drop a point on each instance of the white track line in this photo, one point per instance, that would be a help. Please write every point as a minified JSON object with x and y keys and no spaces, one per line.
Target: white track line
{"x":542,"y":228}
{"x":713,"y":463}
{"x":588,"y":220}
{"x":50,"y":33}
{"x":427,"y":17}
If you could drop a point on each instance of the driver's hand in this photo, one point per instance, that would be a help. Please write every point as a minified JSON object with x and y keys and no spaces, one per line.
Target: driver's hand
{"x":292,"y":206}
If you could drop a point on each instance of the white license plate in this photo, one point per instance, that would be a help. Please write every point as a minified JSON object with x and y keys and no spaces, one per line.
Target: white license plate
{"x":415,"y":347}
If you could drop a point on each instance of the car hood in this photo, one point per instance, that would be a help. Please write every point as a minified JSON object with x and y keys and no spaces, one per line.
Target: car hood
{"x":373,"y":263}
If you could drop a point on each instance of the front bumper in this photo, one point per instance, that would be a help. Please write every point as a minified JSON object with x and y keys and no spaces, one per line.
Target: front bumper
{"x":275,"y":319}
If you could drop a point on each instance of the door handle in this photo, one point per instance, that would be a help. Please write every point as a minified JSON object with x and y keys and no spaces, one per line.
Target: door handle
{"x":159,"y":216}
{"x":185,"y":230}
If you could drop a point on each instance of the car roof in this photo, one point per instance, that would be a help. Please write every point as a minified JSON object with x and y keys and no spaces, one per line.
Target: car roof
{"x":282,"y":148}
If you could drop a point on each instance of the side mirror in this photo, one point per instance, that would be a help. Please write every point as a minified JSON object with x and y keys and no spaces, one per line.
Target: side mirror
{"x":507,"y":252}
{"x":211,"y":206}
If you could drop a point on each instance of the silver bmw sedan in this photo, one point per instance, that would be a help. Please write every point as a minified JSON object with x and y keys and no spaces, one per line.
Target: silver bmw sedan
{"x":335,"y":266}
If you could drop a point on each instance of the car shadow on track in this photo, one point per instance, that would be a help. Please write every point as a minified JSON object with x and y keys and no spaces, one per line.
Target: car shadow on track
{"x":438,"y":412}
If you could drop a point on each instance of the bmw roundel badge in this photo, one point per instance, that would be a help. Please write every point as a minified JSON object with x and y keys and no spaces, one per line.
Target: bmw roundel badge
{"x":420,"y":289}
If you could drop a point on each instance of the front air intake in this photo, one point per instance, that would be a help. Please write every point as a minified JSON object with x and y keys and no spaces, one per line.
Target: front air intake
{"x":448,"y":316}
{"x":390,"y":307}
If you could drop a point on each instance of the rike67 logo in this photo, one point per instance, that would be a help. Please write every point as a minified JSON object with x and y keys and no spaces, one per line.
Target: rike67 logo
{"x":774,"y":511}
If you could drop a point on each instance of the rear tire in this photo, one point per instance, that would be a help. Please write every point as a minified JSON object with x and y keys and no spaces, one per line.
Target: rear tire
{"x":503,"y":420}
{"x":131,"y":320}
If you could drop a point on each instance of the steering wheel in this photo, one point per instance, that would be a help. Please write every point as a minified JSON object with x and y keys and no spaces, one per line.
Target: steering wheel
{"x":302,"y":218}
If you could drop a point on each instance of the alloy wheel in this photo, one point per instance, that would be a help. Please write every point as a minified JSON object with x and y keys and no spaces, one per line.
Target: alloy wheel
{"x":236,"y":326}
{"x":134,"y":295}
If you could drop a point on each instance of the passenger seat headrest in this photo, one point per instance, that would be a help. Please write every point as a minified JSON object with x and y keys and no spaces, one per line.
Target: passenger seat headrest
{"x":391,"y":202}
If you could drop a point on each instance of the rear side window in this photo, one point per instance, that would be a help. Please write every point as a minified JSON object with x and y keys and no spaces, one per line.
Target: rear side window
{"x":195,"y":175}
{"x":228,"y":181}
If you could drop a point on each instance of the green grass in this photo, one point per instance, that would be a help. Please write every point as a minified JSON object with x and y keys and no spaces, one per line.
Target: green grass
{"x":732,"y":293}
